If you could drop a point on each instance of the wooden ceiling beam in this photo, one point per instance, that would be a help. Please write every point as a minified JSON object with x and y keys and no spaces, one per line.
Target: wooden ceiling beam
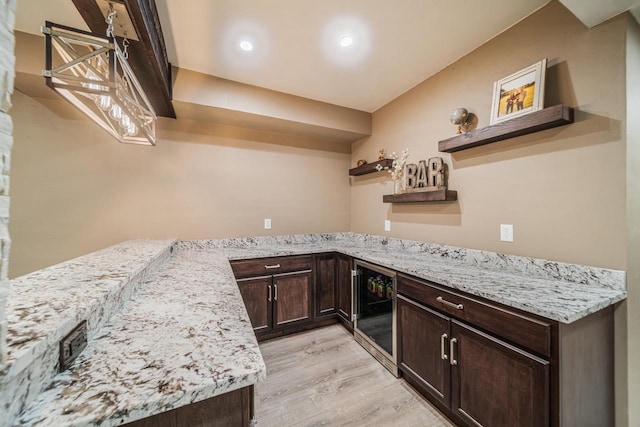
{"x":148,"y":56}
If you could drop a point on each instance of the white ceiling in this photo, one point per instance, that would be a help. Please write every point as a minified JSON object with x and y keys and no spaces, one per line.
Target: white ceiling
{"x":397,"y":44}
{"x":594,"y":12}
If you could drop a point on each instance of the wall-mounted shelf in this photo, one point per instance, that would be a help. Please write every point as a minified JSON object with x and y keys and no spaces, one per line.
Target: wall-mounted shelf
{"x":370,"y":167}
{"x":422,"y":197}
{"x":558,"y":115}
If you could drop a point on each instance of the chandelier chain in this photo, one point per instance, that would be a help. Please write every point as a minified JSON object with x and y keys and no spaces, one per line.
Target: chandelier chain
{"x":125,"y":46}
{"x":110,"y":17}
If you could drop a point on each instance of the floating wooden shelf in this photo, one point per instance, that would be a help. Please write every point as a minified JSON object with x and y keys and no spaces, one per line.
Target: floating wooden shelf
{"x":422,"y":197}
{"x":370,"y":167}
{"x":558,"y":115}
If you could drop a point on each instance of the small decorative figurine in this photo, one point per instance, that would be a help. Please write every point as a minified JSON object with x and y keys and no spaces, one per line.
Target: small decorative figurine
{"x":381,"y":156}
{"x":362,"y":163}
{"x":460,"y":117}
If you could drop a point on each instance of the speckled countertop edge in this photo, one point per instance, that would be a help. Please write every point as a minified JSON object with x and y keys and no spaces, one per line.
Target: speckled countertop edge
{"x":558,"y":291}
{"x":185,"y":337}
{"x":68,"y":292}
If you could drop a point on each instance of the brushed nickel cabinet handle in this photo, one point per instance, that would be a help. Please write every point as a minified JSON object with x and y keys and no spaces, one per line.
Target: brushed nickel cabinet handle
{"x":443,"y":354}
{"x":269,"y":299}
{"x":354,"y":293}
{"x":452,"y":346}
{"x":275,"y":292}
{"x":450,"y":304}
{"x":272,"y":266}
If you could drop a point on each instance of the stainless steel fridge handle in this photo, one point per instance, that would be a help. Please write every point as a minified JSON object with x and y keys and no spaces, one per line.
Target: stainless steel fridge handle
{"x":354,"y":305}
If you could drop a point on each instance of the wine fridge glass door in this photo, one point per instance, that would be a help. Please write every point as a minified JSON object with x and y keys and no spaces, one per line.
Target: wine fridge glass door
{"x":375,"y":308}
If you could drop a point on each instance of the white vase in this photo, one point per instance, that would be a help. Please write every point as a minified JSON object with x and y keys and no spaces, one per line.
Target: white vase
{"x":397,"y":186}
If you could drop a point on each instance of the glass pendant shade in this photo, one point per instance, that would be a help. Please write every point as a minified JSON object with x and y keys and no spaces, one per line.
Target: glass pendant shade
{"x":104,"y":102}
{"x":115,"y":112}
{"x":92,"y":73}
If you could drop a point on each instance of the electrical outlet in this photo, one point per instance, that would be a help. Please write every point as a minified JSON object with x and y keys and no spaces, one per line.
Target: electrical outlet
{"x":72,"y":345}
{"x":267,"y":223}
{"x":506,"y":232}
{"x":387,"y":225}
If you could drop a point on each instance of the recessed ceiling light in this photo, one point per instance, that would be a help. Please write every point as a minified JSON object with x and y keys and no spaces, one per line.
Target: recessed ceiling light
{"x":346,"y":41}
{"x":246,"y":46}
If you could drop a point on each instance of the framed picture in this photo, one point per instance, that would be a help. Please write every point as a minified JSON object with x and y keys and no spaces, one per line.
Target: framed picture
{"x":519,"y":94}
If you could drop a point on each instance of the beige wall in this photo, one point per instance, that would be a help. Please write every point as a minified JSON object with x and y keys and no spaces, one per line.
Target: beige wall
{"x":212,"y":99}
{"x":562,"y":189}
{"x":633,"y":219}
{"x":76,"y":189}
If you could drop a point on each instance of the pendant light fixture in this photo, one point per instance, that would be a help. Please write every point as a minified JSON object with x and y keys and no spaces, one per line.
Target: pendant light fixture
{"x":93,"y":74}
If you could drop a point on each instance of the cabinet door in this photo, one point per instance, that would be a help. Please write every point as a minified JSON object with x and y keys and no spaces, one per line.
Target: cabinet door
{"x":424,"y":347}
{"x":344,"y":286}
{"x":325,"y":285}
{"x":495,"y":384}
{"x":257,"y":297}
{"x":292,"y":298}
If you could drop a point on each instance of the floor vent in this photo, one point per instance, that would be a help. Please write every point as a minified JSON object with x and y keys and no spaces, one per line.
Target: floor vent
{"x":379,"y":356}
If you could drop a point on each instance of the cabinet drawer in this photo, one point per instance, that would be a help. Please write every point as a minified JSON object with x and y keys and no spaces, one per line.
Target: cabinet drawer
{"x":526,"y":331}
{"x":269,"y":266}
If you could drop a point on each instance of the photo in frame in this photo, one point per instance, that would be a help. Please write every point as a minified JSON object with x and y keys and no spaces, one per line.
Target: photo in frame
{"x":519,"y":94}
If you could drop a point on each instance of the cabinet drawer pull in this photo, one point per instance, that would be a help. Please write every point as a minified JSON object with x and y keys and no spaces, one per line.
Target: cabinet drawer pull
{"x":275,"y":292}
{"x":269,"y":299}
{"x":452,"y":346}
{"x":268,"y":267}
{"x":450,"y":304}
{"x":443,"y":354}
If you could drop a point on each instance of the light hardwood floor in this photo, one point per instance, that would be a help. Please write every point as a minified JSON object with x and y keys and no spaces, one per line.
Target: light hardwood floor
{"x":324,"y":378}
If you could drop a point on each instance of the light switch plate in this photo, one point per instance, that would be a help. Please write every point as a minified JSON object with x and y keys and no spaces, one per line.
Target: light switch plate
{"x":387,"y":225}
{"x":267,"y":223}
{"x":506,"y":232}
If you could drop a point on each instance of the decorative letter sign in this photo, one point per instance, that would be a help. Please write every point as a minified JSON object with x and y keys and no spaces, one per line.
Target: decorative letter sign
{"x":427,"y":175}
{"x":410,"y":175}
{"x":421,"y":182}
{"x":436,"y":172}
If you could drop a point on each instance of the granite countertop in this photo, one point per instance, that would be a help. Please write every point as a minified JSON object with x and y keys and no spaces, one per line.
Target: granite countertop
{"x":46,"y":305}
{"x":558,"y":291}
{"x":185,"y":337}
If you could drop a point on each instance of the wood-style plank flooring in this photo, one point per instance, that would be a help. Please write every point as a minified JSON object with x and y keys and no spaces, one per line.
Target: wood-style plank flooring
{"x":324,"y":378}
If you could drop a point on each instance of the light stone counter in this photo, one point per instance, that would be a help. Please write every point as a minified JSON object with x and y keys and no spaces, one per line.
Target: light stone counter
{"x":184,"y":338}
{"x":185,"y":335}
{"x":46,"y":305}
{"x":558,"y":291}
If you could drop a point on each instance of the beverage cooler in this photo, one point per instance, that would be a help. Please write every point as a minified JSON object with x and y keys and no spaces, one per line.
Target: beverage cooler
{"x":375,"y":312}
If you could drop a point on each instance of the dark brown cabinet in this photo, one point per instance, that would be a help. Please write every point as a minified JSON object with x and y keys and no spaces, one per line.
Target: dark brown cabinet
{"x":234,"y":408}
{"x":486,"y":364}
{"x":424,"y":332}
{"x":326,"y":289}
{"x":257,"y":296}
{"x":494,"y":383}
{"x":475,"y":377}
{"x":276,"y":301}
{"x":291,"y":298}
{"x":344,"y":266}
